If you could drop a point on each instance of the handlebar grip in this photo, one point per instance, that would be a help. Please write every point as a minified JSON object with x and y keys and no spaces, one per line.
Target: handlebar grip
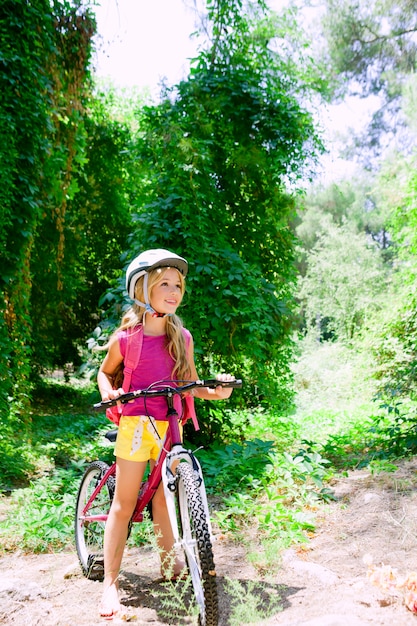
{"x":125,"y":397}
{"x":213,"y":382}
{"x":101,"y":406}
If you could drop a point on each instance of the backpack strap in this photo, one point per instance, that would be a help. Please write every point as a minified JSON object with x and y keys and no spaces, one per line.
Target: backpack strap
{"x":188,"y":400}
{"x":133,"y":351}
{"x":134,"y":341}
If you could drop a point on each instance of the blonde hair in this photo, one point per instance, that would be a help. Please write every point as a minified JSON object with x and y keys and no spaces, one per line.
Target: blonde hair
{"x":174,"y":327}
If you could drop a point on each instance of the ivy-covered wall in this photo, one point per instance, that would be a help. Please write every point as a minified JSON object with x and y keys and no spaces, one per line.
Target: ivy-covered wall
{"x":44,"y":52}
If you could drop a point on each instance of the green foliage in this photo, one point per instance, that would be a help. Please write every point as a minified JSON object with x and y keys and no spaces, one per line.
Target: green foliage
{"x":387,"y":435}
{"x":239,"y":421}
{"x":377,"y":466}
{"x":278,"y":506}
{"x":343,"y":283}
{"x":251,"y":602}
{"x":16,"y":461}
{"x":395,"y":353}
{"x":371,"y":49}
{"x":253,"y":475}
{"x":398,"y":183}
{"x":266,"y":489}
{"x":96,"y":227}
{"x":45,"y":53}
{"x":65,"y":198}
{"x":354,"y":418}
{"x":68,"y":430}
{"x":65,"y":436}
{"x":373,"y":44}
{"x":357,"y":203}
{"x":42,"y":516}
{"x":394,"y":333}
{"x":26,"y":36}
{"x":234,"y":466}
{"x":389,"y":331}
{"x":265,"y":556}
{"x":259,"y":423}
{"x":176,"y":602}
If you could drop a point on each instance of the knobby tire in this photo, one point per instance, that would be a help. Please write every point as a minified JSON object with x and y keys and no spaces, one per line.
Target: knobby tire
{"x":89,"y":536}
{"x":196,"y":542}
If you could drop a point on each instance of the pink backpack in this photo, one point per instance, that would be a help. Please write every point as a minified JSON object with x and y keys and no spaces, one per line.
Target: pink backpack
{"x":131,"y":360}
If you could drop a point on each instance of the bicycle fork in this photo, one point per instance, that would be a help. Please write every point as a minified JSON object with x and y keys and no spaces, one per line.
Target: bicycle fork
{"x":177,"y":455}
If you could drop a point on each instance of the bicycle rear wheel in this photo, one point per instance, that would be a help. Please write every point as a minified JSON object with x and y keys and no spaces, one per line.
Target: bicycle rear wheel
{"x":196,"y":543}
{"x":89,"y":534}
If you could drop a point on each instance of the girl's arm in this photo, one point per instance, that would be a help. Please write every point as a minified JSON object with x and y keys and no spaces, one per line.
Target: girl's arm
{"x":219,"y":393}
{"x":107,"y":370}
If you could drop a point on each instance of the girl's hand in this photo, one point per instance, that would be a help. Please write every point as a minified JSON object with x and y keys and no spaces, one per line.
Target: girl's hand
{"x":218,"y":393}
{"x":111,"y":394}
{"x":223,"y":393}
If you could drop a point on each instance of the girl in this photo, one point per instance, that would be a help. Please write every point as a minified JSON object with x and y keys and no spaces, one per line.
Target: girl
{"x":155,"y":281}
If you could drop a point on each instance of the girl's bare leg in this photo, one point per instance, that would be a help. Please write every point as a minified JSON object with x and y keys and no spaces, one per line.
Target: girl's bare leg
{"x":129,"y":476}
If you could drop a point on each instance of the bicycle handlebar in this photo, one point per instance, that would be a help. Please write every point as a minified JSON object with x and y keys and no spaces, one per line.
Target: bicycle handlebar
{"x":166,"y":390}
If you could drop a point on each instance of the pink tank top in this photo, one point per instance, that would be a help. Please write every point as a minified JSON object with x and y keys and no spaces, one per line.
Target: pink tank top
{"x":155,"y":364}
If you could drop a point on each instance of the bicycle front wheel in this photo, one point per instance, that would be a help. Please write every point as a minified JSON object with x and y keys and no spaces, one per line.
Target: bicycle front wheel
{"x":89,"y":528}
{"x":196,"y":543}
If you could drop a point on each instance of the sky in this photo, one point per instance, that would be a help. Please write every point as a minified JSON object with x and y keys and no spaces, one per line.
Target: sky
{"x":141,"y":42}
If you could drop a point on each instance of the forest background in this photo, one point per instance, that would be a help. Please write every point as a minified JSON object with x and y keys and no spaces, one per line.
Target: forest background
{"x":306,"y":291}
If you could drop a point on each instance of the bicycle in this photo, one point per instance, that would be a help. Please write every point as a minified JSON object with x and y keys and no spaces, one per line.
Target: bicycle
{"x":185,"y":494}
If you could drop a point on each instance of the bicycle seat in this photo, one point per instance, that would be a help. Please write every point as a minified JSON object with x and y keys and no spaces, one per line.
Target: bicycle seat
{"x":111,"y":435}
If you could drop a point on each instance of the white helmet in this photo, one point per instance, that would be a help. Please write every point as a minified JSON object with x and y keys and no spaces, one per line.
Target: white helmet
{"x":143,"y":264}
{"x":150,"y":260}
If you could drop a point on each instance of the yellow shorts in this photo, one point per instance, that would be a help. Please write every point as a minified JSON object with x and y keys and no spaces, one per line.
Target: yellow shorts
{"x":137,"y":439}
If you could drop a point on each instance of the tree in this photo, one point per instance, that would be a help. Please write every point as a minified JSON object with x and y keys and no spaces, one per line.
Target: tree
{"x":372,"y":47}
{"x":343,"y":283}
{"x":217,"y":155}
{"x":395,"y":336}
{"x":371,"y":50}
{"x":65,"y":295}
{"x":357,"y":202}
{"x":27,"y":38}
{"x":45,"y":50}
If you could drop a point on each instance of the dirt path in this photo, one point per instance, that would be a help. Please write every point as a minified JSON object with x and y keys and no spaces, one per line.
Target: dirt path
{"x":323,"y":585}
